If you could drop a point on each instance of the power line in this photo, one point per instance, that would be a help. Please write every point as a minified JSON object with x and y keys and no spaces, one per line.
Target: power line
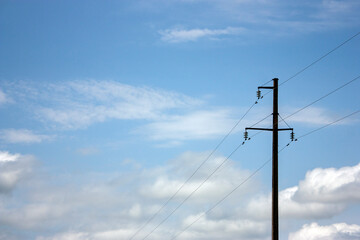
{"x":312,"y":103}
{"x":329,"y":124}
{"x":321,"y":58}
{"x":227,"y":135}
{"x":196,"y":170}
{"x":316,"y":61}
{"x":283,"y":119}
{"x":226,"y":196}
{"x":207,"y":178}
{"x":192,"y":193}
{"x":261,"y":120}
{"x":324,"y":96}
{"x":255,"y":172}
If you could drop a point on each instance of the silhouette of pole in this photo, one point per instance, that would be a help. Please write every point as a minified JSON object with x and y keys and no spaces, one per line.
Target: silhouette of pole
{"x":275,"y":179}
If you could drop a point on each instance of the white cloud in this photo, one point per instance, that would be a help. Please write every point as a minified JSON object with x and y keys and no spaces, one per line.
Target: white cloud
{"x":289,"y":208}
{"x":13,"y":168}
{"x":87,"y":151}
{"x":263,"y":18}
{"x":194,"y":125}
{"x":135,"y":211}
{"x":96,"y":235}
{"x":311,"y":115}
{"x":8,"y":157}
{"x":21,"y":136}
{"x":177,"y":35}
{"x":67,"y":236}
{"x":335,"y":8}
{"x":3,"y":97}
{"x":98,"y":101}
{"x":112,"y":234}
{"x":33,"y":215}
{"x":114,"y":205}
{"x":130,"y":162}
{"x":164,"y":188}
{"x":205,"y":228}
{"x":332,"y":232}
{"x":323,"y":193}
{"x":205,"y":124}
{"x":167,"y":181}
{"x":78,"y":104}
{"x":330,"y":185}
{"x":167,"y":116}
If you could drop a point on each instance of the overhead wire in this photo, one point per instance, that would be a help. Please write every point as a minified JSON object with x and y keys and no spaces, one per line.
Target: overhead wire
{"x":195,"y":190}
{"x":255,"y":172}
{"x":227,"y":135}
{"x":329,"y":124}
{"x":196,"y":170}
{"x":226,"y":196}
{"x":324,"y":96}
{"x":261,"y":120}
{"x":321,"y":58}
{"x":317,"y":100}
{"x":283,"y":120}
{"x":316,"y":61}
{"x":206,"y":179}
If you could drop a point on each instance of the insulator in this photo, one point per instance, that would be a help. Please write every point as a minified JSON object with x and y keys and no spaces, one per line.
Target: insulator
{"x":246,"y":135}
{"x":258,"y":94}
{"x":292,"y":136}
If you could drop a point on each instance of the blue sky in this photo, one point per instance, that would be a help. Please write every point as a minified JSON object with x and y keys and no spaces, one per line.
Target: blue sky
{"x":109,"y":106}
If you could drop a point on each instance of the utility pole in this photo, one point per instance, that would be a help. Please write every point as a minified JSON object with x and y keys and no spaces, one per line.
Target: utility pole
{"x":275,"y":130}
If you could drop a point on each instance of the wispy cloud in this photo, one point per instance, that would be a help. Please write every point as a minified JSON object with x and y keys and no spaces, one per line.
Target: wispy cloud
{"x":21,"y":136}
{"x":167,"y":117}
{"x":97,"y":101}
{"x":87,"y":151}
{"x":176,"y":35}
{"x":263,"y":18}
{"x":193,"y":125}
{"x":313,"y":116}
{"x":78,"y":104}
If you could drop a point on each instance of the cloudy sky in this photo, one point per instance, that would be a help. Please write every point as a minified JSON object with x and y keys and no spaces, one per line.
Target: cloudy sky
{"x":110,"y":112}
